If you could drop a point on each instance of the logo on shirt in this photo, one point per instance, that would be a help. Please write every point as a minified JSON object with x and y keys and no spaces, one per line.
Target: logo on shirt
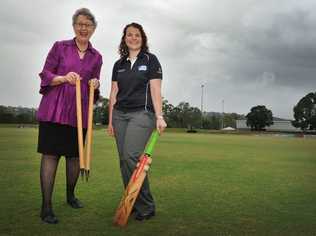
{"x":142,"y":68}
{"x":120,"y":70}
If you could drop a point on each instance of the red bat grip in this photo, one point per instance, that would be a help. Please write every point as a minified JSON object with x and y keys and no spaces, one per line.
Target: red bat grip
{"x":140,"y":168}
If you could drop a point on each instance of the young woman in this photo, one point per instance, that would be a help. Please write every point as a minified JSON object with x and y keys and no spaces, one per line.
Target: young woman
{"x":135,"y":108}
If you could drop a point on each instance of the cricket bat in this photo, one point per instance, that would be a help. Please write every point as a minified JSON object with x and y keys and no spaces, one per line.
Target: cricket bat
{"x":135,"y":183}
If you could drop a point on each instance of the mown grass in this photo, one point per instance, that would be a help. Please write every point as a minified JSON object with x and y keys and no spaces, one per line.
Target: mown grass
{"x":203,"y":184}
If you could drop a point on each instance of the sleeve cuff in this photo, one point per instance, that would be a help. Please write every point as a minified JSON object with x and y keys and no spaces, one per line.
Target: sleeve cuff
{"x":46,"y":79}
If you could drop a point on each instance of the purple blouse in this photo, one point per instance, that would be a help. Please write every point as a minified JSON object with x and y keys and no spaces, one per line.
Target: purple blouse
{"x":58,"y":103}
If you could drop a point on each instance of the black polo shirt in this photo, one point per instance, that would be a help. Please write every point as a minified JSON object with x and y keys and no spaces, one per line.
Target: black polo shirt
{"x":133,"y":83}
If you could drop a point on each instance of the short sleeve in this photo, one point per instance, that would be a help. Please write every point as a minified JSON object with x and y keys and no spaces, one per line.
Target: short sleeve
{"x":114,"y":72}
{"x":155,"y":71}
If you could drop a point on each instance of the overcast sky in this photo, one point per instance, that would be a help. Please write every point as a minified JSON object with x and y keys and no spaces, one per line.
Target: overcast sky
{"x":245,"y":52}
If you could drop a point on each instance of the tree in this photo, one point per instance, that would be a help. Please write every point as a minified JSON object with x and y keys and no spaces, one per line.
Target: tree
{"x":181,"y":116}
{"x":23,"y":118}
{"x":101,"y":111}
{"x":193,"y":118}
{"x":167,"y":110}
{"x":305,"y":113}
{"x":5,"y":115}
{"x":166,"y":107}
{"x":259,"y":117}
{"x":211,"y":122}
{"x":189,"y":117}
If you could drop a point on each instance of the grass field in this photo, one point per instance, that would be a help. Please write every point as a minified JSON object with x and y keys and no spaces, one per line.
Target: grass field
{"x":203,"y":184}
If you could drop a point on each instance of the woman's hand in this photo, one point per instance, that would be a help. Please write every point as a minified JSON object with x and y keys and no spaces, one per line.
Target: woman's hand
{"x":160,"y":124}
{"x":95,"y":82}
{"x":110,"y":130}
{"x":71,"y":77}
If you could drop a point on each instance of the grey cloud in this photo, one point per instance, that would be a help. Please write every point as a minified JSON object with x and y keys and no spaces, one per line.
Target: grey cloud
{"x":246,"y":52}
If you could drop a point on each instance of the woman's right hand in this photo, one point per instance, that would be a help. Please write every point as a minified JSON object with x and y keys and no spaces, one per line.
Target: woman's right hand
{"x":110,"y":130}
{"x":160,"y":124}
{"x":71,"y":77}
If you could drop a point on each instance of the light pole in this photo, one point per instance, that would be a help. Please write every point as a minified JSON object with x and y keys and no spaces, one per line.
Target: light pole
{"x":202,"y":87}
{"x":223,"y":114}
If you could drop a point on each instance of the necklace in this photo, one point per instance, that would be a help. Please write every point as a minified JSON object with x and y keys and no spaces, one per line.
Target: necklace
{"x":82,"y":51}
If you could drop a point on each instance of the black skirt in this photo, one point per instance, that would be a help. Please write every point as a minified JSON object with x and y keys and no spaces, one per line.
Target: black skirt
{"x":58,"y":140}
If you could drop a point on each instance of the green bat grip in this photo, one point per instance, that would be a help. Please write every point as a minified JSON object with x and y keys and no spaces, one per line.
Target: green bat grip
{"x":152,"y":142}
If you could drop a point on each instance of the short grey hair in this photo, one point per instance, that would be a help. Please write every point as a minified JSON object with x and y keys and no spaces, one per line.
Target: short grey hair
{"x":84,"y":12}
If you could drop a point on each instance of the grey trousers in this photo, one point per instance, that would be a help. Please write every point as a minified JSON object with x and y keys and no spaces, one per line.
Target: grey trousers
{"x":132,"y":131}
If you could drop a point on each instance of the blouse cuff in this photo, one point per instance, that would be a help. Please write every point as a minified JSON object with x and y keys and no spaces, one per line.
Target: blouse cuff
{"x":46,"y":79}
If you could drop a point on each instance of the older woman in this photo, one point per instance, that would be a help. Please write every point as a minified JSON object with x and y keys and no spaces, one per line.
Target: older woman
{"x":67,"y":61}
{"x":135,"y":108}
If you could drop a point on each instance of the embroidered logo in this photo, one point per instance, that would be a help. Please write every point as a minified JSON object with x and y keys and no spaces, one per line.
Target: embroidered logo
{"x":120,"y":70}
{"x":142,"y":68}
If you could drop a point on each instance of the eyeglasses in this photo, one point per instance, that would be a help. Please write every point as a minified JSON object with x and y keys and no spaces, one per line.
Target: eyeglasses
{"x":81,"y":25}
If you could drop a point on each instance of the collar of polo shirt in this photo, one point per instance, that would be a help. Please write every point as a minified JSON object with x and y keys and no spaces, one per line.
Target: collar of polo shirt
{"x":132,"y":60}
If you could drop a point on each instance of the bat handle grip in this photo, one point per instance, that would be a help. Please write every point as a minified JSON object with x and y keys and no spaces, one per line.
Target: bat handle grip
{"x":140,"y":167}
{"x":152,"y":142}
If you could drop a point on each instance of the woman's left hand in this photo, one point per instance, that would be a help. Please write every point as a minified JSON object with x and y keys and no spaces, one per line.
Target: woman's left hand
{"x":160,"y":125}
{"x":95,"y":82}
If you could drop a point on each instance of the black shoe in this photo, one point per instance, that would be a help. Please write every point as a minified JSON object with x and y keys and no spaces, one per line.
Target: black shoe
{"x":49,"y":217}
{"x":75,"y":203}
{"x":144,"y":216}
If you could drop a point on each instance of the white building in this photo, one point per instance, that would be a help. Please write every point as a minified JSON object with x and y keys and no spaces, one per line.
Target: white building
{"x":278,"y":125}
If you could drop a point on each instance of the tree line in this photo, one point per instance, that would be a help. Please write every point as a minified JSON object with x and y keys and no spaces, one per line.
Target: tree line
{"x":15,"y":115}
{"x":181,"y":116}
{"x":186,"y":116}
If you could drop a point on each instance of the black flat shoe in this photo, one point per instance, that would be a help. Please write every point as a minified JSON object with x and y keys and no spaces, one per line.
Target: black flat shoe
{"x":49,"y":218}
{"x":75,"y":203}
{"x":144,"y":216}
